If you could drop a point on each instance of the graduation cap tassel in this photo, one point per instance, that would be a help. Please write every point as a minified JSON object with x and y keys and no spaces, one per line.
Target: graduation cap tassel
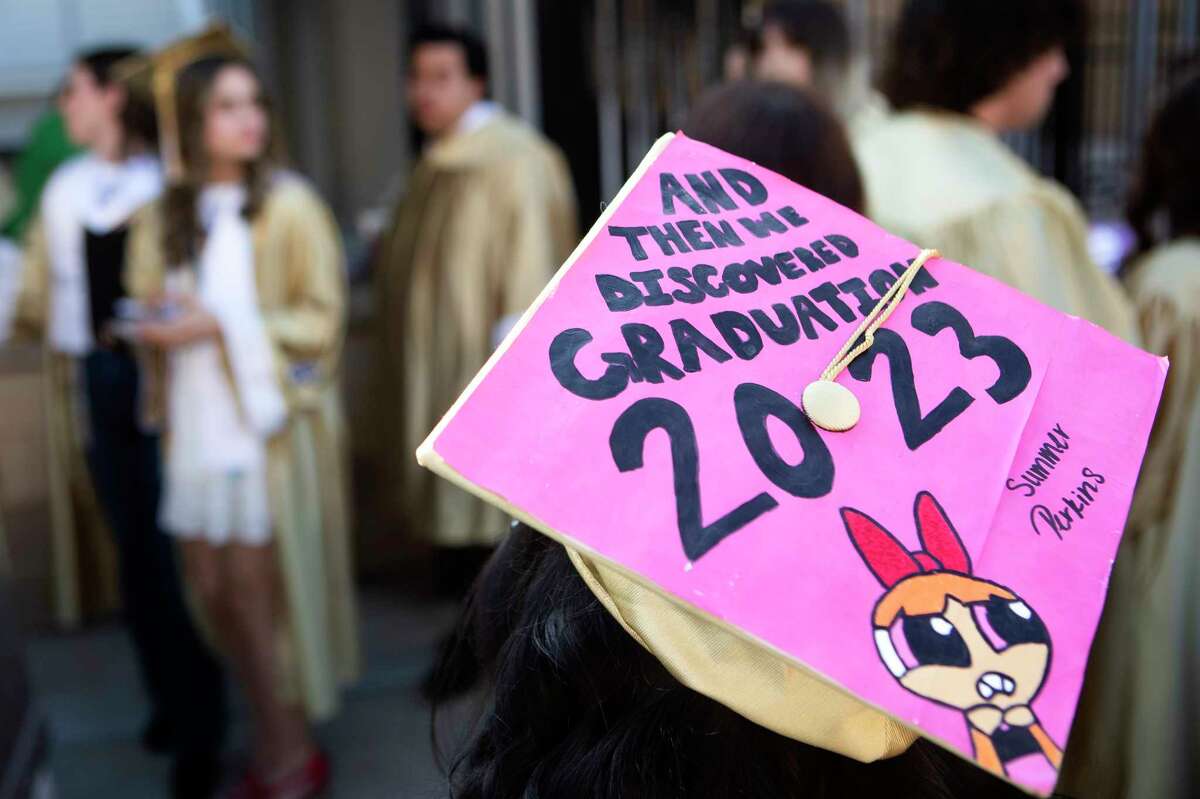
{"x":830,"y":405}
{"x":155,"y":75}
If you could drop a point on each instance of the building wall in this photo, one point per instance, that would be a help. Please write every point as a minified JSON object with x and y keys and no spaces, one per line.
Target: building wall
{"x":38,"y":39}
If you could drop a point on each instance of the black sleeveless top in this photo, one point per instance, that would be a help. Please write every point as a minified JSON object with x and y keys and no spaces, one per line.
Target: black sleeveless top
{"x":104,"y":254}
{"x":1014,"y":742}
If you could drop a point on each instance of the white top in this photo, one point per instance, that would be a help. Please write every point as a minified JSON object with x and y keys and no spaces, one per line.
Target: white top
{"x":475,"y":117}
{"x":86,"y":193}
{"x":213,"y":427}
{"x":216,"y":483}
{"x":208,"y":433}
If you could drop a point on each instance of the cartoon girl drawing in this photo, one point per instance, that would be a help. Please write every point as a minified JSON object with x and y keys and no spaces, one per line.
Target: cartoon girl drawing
{"x":955,"y":639}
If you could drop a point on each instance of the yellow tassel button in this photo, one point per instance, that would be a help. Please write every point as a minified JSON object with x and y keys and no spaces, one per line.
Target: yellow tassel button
{"x":831,"y":406}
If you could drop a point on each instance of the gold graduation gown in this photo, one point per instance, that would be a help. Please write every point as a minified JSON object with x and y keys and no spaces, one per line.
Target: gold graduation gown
{"x":302,"y":293}
{"x":83,"y":558}
{"x":1144,"y":676}
{"x":488,"y":217}
{"x":942,"y":180}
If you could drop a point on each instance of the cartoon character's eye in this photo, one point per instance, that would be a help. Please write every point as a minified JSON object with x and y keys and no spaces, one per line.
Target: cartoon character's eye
{"x":1006,"y":622}
{"x":934,"y":641}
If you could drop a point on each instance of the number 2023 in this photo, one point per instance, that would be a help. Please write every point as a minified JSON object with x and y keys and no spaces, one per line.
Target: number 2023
{"x":813,"y":476}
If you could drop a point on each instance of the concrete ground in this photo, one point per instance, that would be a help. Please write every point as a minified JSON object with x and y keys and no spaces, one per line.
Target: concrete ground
{"x":380,"y":743}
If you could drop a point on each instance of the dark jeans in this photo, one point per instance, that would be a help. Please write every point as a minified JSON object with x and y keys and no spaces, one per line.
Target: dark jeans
{"x":185,"y":683}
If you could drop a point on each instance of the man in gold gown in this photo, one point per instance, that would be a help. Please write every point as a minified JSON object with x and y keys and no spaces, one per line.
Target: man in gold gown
{"x":488,"y":216}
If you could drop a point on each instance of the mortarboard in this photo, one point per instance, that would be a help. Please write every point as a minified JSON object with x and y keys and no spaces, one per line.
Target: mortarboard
{"x":654,"y":411}
{"x":154,"y":75}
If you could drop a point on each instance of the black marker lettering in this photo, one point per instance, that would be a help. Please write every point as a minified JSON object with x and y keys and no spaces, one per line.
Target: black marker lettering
{"x":646,"y":346}
{"x":690,"y":229}
{"x":690,"y":342}
{"x":807,"y":311}
{"x":785,"y":331}
{"x":767,"y":224}
{"x":739,"y":333}
{"x":791,"y":217}
{"x":745,"y":185}
{"x":631,"y":235}
{"x":563,"y":349}
{"x":828,"y":294}
{"x":671,"y":191}
{"x":654,"y":293}
{"x":711,"y":193}
{"x":618,"y":293}
{"x":668,"y":239}
{"x":866,"y":303}
{"x":683,"y":277}
{"x":722,"y":234}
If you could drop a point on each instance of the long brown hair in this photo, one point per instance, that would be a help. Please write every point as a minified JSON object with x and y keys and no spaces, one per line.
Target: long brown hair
{"x":182,"y":236}
{"x":1166,"y":184}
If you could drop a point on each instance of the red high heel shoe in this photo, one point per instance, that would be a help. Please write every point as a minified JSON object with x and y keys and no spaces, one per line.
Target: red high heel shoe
{"x":308,"y":781}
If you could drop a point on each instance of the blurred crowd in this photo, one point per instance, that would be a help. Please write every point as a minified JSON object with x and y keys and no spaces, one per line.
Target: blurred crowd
{"x":191,"y":293}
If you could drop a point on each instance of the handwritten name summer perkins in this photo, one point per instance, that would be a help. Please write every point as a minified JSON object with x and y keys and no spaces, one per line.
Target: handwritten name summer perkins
{"x":1070,"y":508}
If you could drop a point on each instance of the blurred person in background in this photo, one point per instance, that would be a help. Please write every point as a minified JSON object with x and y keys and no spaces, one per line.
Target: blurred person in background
{"x":807,"y":44}
{"x":937,"y":173}
{"x":77,"y":265}
{"x":241,"y":269}
{"x":488,"y":217}
{"x":84,"y":581}
{"x":1145,"y":690}
{"x":781,"y":128}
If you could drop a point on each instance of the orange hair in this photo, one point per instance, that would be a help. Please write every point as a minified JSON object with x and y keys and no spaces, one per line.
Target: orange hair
{"x":926,"y":593}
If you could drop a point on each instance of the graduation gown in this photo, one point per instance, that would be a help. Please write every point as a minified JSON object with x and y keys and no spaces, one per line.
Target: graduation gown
{"x":488,"y":217}
{"x":301,"y":284}
{"x":53,"y":305}
{"x":1143,"y":684}
{"x":941,"y":180}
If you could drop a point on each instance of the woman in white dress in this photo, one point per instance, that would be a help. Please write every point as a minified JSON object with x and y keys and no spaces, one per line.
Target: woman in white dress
{"x":246,"y":279}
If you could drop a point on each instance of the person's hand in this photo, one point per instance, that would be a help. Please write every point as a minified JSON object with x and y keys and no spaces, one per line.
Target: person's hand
{"x":192,"y":323}
{"x":158,"y":303}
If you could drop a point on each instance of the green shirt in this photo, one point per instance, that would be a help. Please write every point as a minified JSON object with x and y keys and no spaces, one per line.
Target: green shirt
{"x":47,"y":147}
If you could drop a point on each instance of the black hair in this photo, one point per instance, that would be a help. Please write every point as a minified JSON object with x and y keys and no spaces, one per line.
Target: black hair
{"x":474,"y":52}
{"x":1166,"y":184}
{"x":783,"y":129}
{"x":139,"y":121}
{"x":100,"y":62}
{"x":951,"y":54}
{"x":572,"y":706}
{"x":815,"y":26}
